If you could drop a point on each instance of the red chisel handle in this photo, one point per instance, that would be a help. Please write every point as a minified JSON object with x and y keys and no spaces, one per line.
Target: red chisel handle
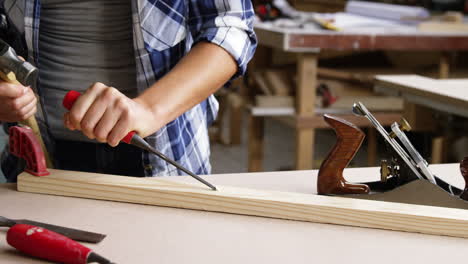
{"x":42,"y":243}
{"x":136,"y":140}
{"x":70,"y":99}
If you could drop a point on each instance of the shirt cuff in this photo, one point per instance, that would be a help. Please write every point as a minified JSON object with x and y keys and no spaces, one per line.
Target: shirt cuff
{"x":240,"y":43}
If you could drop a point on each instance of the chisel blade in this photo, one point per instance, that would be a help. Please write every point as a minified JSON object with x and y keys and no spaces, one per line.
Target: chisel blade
{"x":75,"y":234}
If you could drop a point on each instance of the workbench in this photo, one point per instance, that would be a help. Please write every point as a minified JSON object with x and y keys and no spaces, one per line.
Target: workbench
{"x":307,"y":43}
{"x":151,"y":234}
{"x":450,"y":96}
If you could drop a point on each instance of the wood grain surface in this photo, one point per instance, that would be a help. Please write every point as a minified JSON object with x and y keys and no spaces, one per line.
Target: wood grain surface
{"x":273,"y":204}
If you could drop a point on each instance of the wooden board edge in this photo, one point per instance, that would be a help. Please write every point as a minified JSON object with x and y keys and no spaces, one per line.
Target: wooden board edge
{"x":272,"y":204}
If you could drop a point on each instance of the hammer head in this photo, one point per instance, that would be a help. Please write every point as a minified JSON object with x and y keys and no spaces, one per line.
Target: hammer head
{"x":25,"y":72}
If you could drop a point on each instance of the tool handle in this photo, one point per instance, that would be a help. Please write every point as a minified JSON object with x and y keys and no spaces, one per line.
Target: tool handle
{"x":42,"y":243}
{"x":330,"y":178}
{"x":31,"y":121}
{"x":70,"y":99}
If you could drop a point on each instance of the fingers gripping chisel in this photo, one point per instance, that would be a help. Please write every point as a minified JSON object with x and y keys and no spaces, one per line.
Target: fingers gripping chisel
{"x":134,"y":139}
{"x":45,"y":244}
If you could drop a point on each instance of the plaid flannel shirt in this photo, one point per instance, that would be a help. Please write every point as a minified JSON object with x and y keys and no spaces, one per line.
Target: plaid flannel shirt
{"x":163,"y":32}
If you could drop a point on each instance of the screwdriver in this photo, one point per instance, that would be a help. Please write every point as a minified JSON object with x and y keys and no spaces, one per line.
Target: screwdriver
{"x":134,"y":139}
{"x":45,"y":244}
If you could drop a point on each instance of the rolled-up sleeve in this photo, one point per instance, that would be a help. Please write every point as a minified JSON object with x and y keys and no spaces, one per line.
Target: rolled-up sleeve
{"x":227,"y":23}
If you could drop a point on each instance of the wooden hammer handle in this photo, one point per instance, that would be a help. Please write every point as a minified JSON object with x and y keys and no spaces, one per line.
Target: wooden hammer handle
{"x":31,"y":121}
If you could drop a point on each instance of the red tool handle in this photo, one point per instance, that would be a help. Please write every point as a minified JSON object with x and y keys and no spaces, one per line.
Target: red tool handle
{"x":70,"y":99}
{"x":42,"y":243}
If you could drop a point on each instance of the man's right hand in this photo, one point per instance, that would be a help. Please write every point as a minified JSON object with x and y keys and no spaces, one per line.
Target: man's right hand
{"x":17,"y":103}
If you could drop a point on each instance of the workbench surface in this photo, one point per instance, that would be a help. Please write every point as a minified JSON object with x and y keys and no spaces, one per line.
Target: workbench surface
{"x":149,"y":234}
{"x":448,"y":95}
{"x":359,"y":38}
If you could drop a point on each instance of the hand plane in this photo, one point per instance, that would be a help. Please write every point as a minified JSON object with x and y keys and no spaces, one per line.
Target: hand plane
{"x":404,"y":175}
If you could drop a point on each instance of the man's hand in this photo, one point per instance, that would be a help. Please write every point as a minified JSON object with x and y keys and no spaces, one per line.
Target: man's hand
{"x":17,"y":103}
{"x":105,"y":114}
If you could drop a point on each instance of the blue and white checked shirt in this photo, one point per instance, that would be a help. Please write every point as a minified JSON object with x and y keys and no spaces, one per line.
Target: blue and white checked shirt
{"x":163,"y":32}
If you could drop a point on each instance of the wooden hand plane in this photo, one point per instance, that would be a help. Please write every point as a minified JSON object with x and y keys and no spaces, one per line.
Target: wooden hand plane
{"x":405,"y":174}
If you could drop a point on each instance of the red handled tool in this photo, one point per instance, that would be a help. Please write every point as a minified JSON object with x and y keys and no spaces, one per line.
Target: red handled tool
{"x":42,"y":243}
{"x":24,"y":144}
{"x":134,"y":139}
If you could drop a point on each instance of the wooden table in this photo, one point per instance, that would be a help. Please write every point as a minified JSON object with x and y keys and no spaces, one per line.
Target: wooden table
{"x":449,"y":96}
{"x":307,"y":44}
{"x":150,"y":234}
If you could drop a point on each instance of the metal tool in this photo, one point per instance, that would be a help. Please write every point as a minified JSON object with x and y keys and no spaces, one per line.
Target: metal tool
{"x":134,"y":139}
{"x":16,"y":71}
{"x":12,"y":66}
{"x":75,"y":234}
{"x":45,"y":244}
{"x":413,"y":160}
{"x":421,"y":163}
{"x":403,"y":166}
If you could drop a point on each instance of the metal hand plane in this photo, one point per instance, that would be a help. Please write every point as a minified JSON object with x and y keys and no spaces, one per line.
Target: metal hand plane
{"x":404,"y":176}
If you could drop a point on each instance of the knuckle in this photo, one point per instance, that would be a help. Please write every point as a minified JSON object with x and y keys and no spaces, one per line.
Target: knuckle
{"x":121,"y":104}
{"x":74,"y":117}
{"x":25,"y":116}
{"x":15,"y":104}
{"x":86,"y":126}
{"x":21,"y":112}
{"x":101,"y":135}
{"x":110,"y":92}
{"x":125,"y":117}
{"x":97,"y":86}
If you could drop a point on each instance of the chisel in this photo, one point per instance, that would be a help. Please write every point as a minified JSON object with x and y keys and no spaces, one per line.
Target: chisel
{"x":75,"y":234}
{"x":134,"y":139}
{"x":45,"y":244}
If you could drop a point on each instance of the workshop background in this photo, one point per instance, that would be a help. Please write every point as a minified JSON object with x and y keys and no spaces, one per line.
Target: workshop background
{"x":265,"y":122}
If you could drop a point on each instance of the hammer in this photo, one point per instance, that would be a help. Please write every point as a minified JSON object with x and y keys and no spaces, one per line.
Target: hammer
{"x":16,"y":71}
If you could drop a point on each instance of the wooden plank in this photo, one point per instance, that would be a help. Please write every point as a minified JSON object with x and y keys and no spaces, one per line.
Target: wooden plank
{"x":373,"y":103}
{"x":236,"y":111}
{"x":255,"y":143}
{"x":438,"y":149}
{"x":305,"y":107}
{"x":278,"y":81}
{"x":261,"y":82}
{"x":451,"y":92}
{"x":444,"y":65}
{"x":273,"y":204}
{"x":317,"y":121}
{"x":271,"y":39}
{"x":305,"y":139}
{"x":274,"y":101}
{"x":442,"y":27}
{"x":344,"y":75}
{"x":339,"y":41}
{"x":307,"y":39}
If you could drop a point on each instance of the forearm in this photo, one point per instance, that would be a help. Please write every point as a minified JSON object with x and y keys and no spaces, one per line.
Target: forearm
{"x":105,"y":114}
{"x":205,"y":69}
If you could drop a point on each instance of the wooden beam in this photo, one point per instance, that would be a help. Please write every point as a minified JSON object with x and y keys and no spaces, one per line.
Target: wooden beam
{"x":305,"y":107}
{"x":255,"y":142}
{"x":274,"y":204}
